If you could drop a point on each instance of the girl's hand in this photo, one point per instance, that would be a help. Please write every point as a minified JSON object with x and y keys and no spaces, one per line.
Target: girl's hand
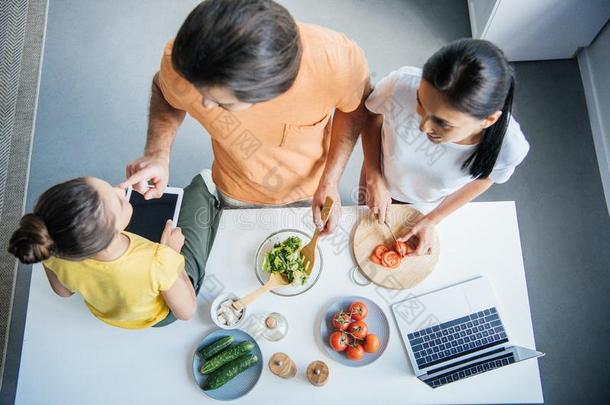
{"x":378,"y":198}
{"x":172,"y":237}
{"x":423,"y":231}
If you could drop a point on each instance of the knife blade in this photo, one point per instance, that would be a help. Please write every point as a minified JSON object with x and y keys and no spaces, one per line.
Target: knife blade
{"x":390,"y":229}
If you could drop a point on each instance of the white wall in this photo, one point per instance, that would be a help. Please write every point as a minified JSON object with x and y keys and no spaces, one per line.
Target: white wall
{"x":480,"y":14}
{"x":538,"y":29}
{"x":594,"y":62}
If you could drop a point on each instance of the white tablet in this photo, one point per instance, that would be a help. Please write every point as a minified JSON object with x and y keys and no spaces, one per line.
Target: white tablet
{"x":149,"y":216}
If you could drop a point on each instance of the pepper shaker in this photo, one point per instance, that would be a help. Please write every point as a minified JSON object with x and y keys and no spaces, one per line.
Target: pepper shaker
{"x":317,"y":373}
{"x":282,"y":365}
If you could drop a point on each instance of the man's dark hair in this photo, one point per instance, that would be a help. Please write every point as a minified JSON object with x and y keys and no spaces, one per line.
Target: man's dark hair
{"x":252,"y":47}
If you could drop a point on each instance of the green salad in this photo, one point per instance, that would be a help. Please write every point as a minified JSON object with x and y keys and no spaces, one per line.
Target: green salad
{"x":285,"y":258}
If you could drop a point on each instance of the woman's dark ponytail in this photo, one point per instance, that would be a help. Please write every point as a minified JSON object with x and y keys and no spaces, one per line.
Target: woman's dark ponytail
{"x":31,"y":243}
{"x":69,"y":221}
{"x":482,"y":161}
{"x":475,"y":78}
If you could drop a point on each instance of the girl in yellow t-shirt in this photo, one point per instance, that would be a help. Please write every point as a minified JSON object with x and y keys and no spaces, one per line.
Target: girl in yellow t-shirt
{"x":77,"y":229}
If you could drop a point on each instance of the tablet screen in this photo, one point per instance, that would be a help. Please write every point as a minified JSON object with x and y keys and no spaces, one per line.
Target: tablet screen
{"x":149,"y":216}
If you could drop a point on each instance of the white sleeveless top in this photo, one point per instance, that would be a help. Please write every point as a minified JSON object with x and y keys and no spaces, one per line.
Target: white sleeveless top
{"x":416,"y":169}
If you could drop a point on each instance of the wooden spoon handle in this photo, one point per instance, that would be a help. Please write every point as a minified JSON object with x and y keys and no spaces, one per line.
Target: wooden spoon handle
{"x":326,"y":210}
{"x":248,"y":299}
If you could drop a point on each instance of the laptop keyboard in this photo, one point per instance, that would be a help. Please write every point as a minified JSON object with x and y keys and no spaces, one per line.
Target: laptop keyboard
{"x":471,"y":370}
{"x":456,"y":338}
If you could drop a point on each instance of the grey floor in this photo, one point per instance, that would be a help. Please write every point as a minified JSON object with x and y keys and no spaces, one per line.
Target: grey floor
{"x":100,"y":57}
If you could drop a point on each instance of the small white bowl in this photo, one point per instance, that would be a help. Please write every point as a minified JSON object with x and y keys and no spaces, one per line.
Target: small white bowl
{"x":216,"y":304}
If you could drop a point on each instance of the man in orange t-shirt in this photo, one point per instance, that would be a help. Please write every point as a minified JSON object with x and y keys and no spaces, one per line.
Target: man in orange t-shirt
{"x":282,"y":101}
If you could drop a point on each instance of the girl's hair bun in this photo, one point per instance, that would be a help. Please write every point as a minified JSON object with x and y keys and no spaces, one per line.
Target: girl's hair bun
{"x":31,"y":243}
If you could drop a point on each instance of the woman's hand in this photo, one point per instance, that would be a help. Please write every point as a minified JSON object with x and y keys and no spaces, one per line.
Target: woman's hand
{"x":172,"y":237}
{"x":378,"y":197}
{"x":424,"y":232}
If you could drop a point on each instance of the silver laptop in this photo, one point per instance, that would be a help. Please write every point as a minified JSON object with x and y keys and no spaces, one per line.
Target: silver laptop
{"x":462,"y":336}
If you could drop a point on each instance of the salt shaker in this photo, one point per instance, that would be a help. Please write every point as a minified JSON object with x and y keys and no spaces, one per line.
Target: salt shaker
{"x":276,"y":327}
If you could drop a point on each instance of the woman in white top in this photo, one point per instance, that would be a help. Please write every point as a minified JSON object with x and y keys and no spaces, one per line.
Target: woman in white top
{"x":441,"y":136}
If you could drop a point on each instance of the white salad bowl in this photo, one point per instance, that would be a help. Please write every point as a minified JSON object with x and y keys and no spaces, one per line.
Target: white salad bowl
{"x":268,"y":244}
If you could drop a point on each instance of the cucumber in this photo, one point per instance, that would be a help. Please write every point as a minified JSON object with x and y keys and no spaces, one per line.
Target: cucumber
{"x":226,"y":356}
{"x":229,"y":371}
{"x":216,"y":347}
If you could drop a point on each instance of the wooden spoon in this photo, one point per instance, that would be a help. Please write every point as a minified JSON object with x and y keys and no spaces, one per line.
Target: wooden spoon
{"x":308,"y":252}
{"x":275,"y":280}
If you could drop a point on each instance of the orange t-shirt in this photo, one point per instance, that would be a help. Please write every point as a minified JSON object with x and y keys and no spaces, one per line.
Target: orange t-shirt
{"x":274,"y":152}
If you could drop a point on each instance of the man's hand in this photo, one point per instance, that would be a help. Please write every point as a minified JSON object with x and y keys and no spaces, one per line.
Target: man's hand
{"x":378,"y":197}
{"x":331,"y":190}
{"x":151,"y":168}
{"x":172,"y":237}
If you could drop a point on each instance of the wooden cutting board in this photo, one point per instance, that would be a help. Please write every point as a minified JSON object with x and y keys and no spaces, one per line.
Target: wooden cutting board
{"x":369,"y":233}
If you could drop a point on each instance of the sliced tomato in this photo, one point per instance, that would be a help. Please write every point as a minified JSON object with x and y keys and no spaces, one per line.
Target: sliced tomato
{"x":390,"y":259}
{"x":375,"y":259}
{"x":380,"y":250}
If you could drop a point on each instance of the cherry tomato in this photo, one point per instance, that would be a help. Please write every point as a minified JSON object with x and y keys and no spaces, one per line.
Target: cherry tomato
{"x":401,"y":248}
{"x":338,"y":341}
{"x":341,"y":321}
{"x":371,"y":343}
{"x":358,"y":329}
{"x":355,"y":352}
{"x":390,"y":259}
{"x":375,"y":259}
{"x":380,"y":250}
{"x":358,"y":310}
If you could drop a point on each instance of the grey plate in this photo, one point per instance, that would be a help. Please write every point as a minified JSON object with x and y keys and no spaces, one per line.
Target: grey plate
{"x":377,"y":323}
{"x":240,"y":385}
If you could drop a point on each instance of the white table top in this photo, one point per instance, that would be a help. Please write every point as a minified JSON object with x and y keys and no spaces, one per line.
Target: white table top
{"x":69,"y":357}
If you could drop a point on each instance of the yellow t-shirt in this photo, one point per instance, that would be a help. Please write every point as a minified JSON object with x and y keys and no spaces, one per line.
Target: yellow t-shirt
{"x":125,"y":292}
{"x":275,"y":151}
